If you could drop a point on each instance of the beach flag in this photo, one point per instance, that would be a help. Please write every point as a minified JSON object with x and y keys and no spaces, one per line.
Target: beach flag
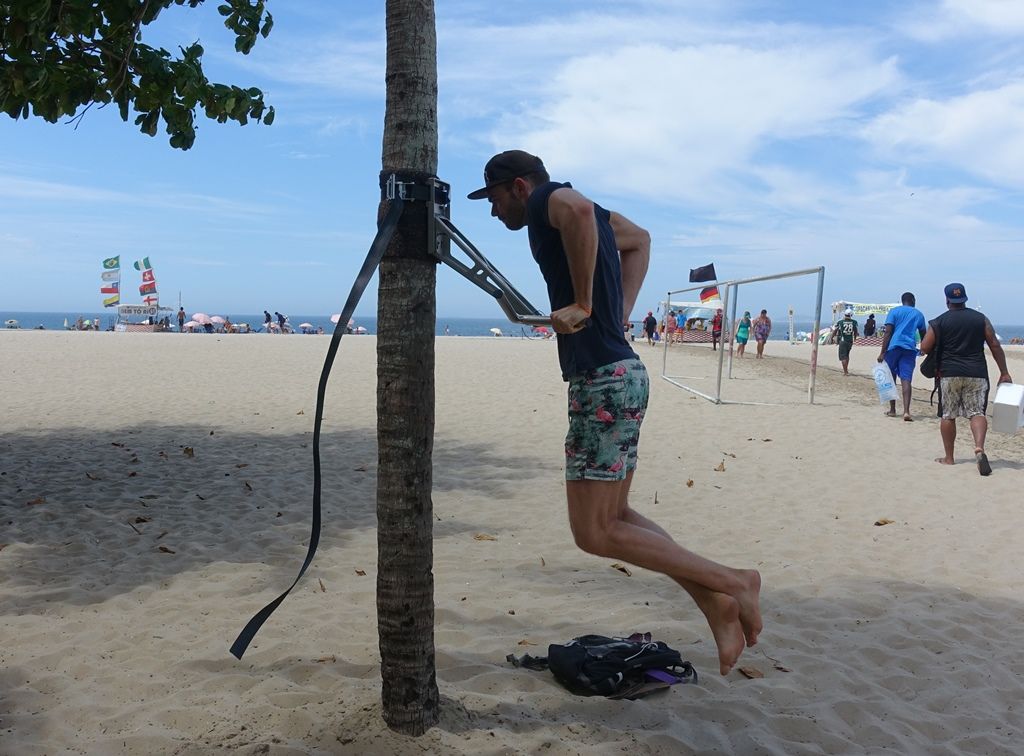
{"x":111,"y":301}
{"x":112,"y":263}
{"x":110,"y":275}
{"x":147,"y":275}
{"x":703,"y":273}
{"x":143,"y":264}
{"x":151,"y":300}
{"x":111,"y":288}
{"x":148,"y":288}
{"x":708,"y":294}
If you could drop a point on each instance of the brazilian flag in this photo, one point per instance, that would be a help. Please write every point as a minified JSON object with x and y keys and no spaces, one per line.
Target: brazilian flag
{"x":112,"y":263}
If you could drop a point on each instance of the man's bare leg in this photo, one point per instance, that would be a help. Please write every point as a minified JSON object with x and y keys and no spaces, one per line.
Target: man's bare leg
{"x":979,"y":428}
{"x":947,"y":429}
{"x":728,"y":597}
{"x":751,"y":621}
{"x":907,"y":393}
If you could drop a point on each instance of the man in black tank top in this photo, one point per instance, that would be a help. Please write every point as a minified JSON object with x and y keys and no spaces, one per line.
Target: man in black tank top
{"x":594,"y":261}
{"x":959,"y":336}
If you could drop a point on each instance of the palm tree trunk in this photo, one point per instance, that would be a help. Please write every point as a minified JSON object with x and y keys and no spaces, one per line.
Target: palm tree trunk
{"x":405,"y":383}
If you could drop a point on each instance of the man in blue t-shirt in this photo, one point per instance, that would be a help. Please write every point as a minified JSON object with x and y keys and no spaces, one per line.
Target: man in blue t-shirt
{"x":594,"y":262}
{"x":904,"y":325}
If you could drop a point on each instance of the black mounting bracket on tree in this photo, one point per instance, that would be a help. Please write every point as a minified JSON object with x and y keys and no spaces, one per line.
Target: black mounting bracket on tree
{"x":441,"y":232}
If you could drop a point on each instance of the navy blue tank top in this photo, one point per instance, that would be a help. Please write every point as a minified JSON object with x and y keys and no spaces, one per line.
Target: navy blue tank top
{"x":602,"y":342}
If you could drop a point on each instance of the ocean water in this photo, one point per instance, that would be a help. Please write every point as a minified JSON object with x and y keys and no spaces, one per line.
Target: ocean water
{"x":444,"y":326}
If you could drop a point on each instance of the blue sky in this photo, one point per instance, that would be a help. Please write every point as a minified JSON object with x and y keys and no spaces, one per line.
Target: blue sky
{"x":884,"y":141}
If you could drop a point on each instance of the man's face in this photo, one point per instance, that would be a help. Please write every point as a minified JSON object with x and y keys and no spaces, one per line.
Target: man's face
{"x":508,"y":203}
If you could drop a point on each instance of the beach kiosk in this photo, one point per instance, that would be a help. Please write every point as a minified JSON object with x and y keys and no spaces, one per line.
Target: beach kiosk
{"x":141,"y":318}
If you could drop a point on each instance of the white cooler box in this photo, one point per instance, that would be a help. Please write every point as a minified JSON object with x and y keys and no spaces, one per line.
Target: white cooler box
{"x":1008,"y":408}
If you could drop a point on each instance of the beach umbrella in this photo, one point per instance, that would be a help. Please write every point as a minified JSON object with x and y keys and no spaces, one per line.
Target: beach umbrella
{"x":542,"y":330}
{"x":496,"y":331}
{"x":360,"y":329}
{"x":201,"y":318}
{"x":305,"y":325}
{"x":336,"y":317}
{"x":191,"y":324}
{"x":217,"y":319}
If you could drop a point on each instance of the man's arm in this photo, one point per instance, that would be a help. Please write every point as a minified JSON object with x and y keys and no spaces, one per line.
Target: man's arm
{"x":573,"y":215}
{"x":997,"y":352}
{"x":886,"y":336}
{"x":634,"y":245}
{"x":928,"y":341}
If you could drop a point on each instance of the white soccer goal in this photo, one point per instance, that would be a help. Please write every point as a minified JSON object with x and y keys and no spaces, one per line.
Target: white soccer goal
{"x":729,"y":291}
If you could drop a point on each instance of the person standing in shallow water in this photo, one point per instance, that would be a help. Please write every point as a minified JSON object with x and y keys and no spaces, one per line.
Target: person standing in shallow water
{"x":594,"y":262}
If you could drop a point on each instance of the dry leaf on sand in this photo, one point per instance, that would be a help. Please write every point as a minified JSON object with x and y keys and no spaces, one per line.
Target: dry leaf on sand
{"x":361,"y":573}
{"x":721,"y":466}
{"x":689,"y":483}
{"x":751,"y":673}
{"x":37,"y":500}
{"x":622,"y":568}
{"x":884,"y":521}
{"x":189,"y":452}
{"x":484,"y":537}
{"x":166,"y":550}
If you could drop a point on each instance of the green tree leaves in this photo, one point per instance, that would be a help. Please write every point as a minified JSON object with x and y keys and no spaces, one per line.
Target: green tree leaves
{"x":58,"y":59}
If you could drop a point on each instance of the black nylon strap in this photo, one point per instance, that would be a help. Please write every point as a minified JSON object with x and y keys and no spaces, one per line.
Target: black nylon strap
{"x":385,"y":231}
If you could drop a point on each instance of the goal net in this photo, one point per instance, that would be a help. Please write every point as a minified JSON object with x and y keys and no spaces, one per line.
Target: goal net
{"x":689,"y":364}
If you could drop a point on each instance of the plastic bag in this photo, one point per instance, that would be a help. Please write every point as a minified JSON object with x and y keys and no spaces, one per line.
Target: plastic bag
{"x":885,"y":383}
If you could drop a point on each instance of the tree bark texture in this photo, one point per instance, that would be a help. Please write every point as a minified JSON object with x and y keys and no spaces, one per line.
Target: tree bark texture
{"x":405,"y":382}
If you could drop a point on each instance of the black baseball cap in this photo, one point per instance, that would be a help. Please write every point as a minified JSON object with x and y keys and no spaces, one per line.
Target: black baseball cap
{"x":956,"y":293}
{"x":505,"y":166}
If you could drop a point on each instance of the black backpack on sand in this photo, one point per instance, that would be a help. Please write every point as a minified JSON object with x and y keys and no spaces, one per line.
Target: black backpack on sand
{"x":596,"y":665}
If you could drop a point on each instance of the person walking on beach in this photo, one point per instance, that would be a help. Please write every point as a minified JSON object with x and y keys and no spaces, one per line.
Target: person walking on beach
{"x":267,"y":321}
{"x":742,"y":333}
{"x":650,"y":326}
{"x":671,"y":324}
{"x":846,"y":331}
{"x":181,"y":320}
{"x":958,"y":337}
{"x":716,"y":329}
{"x":899,"y":347}
{"x":594,"y":262}
{"x":762,"y":330}
{"x":281,"y":319}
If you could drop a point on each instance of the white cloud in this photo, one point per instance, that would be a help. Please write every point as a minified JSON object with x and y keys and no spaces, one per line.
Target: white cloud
{"x":980,"y":132}
{"x":680,"y":121}
{"x":64,"y":195}
{"x":957,"y":18}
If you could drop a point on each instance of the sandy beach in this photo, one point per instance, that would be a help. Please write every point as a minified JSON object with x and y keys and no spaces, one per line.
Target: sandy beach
{"x":155,"y":491}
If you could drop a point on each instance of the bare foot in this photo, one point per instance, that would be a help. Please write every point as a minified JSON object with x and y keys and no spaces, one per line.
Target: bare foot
{"x":723,"y":615}
{"x":890,"y":413}
{"x":908,"y":419}
{"x":944,"y":460}
{"x":750,"y":607}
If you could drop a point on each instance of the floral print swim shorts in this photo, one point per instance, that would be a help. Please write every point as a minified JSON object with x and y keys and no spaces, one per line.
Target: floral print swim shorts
{"x":606,"y":407}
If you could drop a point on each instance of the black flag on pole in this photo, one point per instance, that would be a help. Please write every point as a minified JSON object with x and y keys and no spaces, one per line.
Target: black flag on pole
{"x":703,"y":273}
